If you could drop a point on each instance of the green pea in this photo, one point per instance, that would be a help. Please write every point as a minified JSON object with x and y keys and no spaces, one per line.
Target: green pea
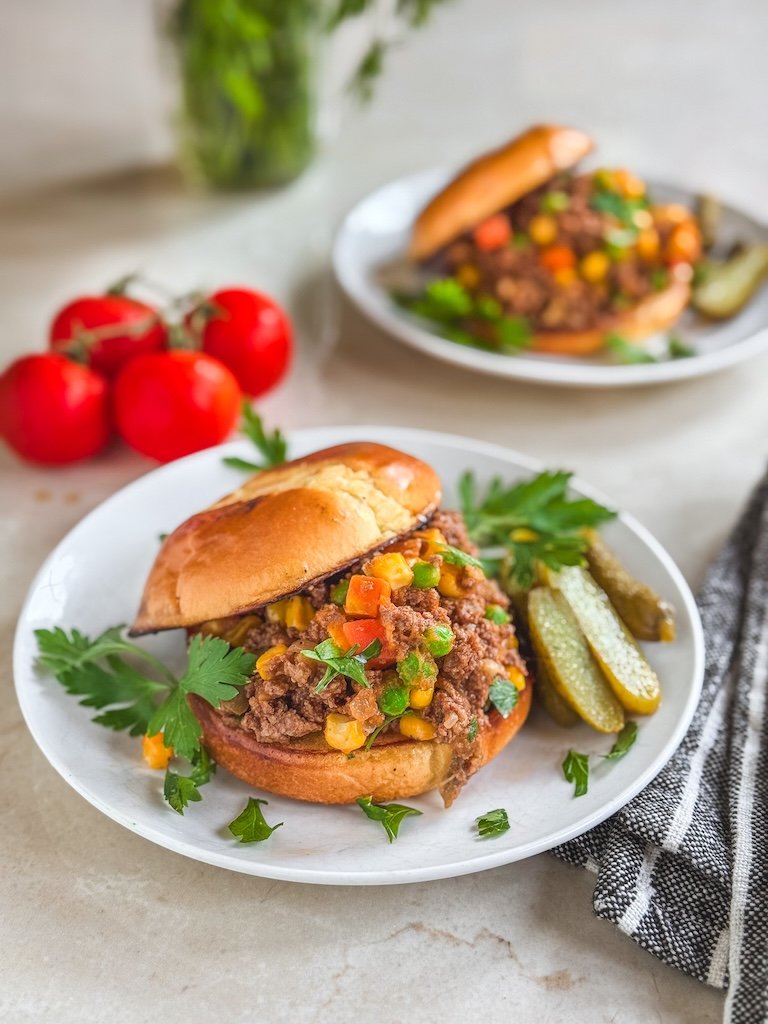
{"x":439,"y":640}
{"x":555,"y":202}
{"x":339,"y":592}
{"x":425,"y":575}
{"x":495,"y":613}
{"x":394,"y":700}
{"x":415,"y":668}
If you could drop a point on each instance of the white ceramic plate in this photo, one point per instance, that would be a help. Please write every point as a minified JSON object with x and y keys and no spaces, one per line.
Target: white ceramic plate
{"x":94,"y":578}
{"x":375,"y":234}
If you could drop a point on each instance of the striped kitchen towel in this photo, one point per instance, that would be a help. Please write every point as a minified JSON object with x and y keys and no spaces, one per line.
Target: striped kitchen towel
{"x":683,"y":868}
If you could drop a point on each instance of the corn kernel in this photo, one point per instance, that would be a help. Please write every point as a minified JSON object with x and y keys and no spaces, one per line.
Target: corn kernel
{"x":594,"y":267}
{"x":433,"y":542}
{"x":416,"y":728}
{"x":419,"y":698}
{"x":343,"y":733}
{"x":648,"y":244}
{"x":522,"y":535}
{"x":565,"y":276}
{"x":393,"y":568}
{"x":298,"y":612}
{"x":449,"y":585}
{"x":468,"y":275}
{"x":516,"y":677}
{"x":628,"y":184}
{"x":262,"y":662}
{"x":543,"y":229}
{"x":276,"y":612}
{"x":155,"y":752}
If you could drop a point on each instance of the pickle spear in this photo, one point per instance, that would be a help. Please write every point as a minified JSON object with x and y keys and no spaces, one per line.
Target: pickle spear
{"x":709,"y":213}
{"x":631,"y":677}
{"x":560,"y":646}
{"x":643,"y":611}
{"x":729,"y":286}
{"x":550,"y":699}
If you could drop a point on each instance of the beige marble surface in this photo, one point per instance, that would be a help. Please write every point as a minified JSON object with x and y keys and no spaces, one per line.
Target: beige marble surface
{"x":101,"y":925}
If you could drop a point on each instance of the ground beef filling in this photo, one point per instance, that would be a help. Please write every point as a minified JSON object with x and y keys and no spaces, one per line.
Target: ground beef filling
{"x":285,"y":706}
{"x":515,"y":276}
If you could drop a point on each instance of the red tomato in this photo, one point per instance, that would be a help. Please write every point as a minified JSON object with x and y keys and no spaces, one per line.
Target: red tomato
{"x":112,"y":328}
{"x":168,"y":404}
{"x":53,"y":410}
{"x":249,"y":333}
{"x":363,"y":632}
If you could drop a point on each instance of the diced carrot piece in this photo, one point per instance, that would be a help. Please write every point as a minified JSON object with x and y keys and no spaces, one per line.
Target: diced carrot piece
{"x":557,"y":257}
{"x":362,"y":632}
{"x":365,"y":595}
{"x":155,"y":752}
{"x":493,"y":233}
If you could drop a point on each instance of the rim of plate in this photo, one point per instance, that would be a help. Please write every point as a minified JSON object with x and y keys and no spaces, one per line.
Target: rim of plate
{"x":373,"y":303}
{"x":334,"y":434}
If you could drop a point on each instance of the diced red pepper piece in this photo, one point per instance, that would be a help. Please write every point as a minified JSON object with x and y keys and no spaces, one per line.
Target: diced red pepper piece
{"x":365,"y":595}
{"x":557,"y":257}
{"x":493,"y":233}
{"x":363,"y":632}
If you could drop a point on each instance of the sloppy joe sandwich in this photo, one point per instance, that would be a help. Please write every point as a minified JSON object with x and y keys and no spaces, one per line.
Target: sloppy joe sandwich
{"x":554,"y":258}
{"x":387,"y":664}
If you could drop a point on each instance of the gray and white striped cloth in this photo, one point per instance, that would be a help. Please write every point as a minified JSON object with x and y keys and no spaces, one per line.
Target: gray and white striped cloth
{"x":683,"y":868}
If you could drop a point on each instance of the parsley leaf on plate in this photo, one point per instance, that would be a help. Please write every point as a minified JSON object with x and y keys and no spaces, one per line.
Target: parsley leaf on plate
{"x":624,"y":351}
{"x":624,"y":741}
{"x":678,"y":349}
{"x":534,"y":520}
{"x":180,"y":790}
{"x":342,"y":663}
{"x":214,"y":671}
{"x":493,"y":823}
{"x":249,"y":826}
{"x":272,"y":447}
{"x":97,"y":671}
{"x":390,"y":815}
{"x":576,"y":770}
{"x":504,"y":696}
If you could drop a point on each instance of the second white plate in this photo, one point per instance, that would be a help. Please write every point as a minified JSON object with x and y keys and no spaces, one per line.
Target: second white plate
{"x":375,"y":233}
{"x":94,"y":579}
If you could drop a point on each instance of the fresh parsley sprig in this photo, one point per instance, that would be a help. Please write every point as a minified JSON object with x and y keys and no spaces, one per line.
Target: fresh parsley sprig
{"x":503,"y":695}
{"x":492,"y":823}
{"x":534,"y":520}
{"x":576,"y":765}
{"x":250,"y":826}
{"x":479,"y":322}
{"x":389,"y":815}
{"x":273,"y":447}
{"x":132,"y":700}
{"x":349,"y":663}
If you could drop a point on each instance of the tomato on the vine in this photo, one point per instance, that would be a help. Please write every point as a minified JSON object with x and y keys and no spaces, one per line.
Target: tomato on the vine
{"x":169,"y":404}
{"x":249,"y":332}
{"x":53,"y":410}
{"x":107,"y":331}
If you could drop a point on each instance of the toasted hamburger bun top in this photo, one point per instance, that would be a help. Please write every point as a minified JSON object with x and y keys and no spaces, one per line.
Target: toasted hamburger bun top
{"x":308,"y":769}
{"x":283,"y":529}
{"x":494,"y":181}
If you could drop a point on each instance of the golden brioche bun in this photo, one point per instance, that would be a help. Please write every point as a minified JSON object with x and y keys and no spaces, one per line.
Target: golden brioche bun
{"x":493,"y":181}
{"x":654,"y":313}
{"x":308,"y":769}
{"x":284,"y":529}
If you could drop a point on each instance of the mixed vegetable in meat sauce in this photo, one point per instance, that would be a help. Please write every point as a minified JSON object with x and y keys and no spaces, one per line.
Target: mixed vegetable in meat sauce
{"x":414,"y":642}
{"x":568,"y":256}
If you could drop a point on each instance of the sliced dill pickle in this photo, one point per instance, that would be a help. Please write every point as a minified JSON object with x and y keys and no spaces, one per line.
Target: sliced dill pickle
{"x":728,"y":286}
{"x":644,"y":613}
{"x":545,"y":692}
{"x":631,"y":677}
{"x":576,"y":678}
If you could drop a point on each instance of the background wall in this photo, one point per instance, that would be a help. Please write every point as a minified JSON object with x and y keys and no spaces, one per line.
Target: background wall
{"x":670,"y":86}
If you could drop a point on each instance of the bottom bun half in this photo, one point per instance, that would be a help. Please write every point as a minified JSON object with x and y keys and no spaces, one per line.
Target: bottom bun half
{"x":308,"y":769}
{"x":655,"y":313}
